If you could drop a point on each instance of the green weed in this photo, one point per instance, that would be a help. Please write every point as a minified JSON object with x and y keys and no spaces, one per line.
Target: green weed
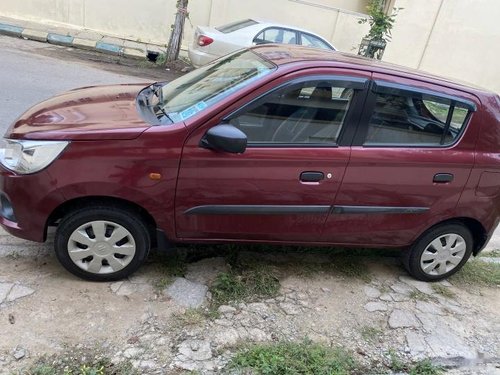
{"x":287,"y":358}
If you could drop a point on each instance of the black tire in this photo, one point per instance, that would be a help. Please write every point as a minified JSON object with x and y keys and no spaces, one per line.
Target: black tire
{"x":412,"y":257}
{"x":137,"y":238}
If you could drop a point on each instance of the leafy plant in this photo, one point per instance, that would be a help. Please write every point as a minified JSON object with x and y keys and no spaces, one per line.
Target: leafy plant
{"x":380,"y":22}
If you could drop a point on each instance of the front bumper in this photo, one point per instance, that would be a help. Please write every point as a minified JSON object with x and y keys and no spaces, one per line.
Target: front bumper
{"x":27,"y":202}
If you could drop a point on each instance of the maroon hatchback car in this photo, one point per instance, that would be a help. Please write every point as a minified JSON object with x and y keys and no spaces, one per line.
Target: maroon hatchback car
{"x":273,"y":144}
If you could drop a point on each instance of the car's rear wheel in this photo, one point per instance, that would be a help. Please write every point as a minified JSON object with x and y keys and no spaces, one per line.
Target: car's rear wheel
{"x":102,"y":243}
{"x":439,"y":253}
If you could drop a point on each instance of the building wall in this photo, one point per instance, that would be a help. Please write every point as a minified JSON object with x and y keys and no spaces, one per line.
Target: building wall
{"x":150,"y":21}
{"x":454,"y":38}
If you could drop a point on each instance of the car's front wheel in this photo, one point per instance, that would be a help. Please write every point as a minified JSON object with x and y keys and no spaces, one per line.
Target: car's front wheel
{"x":439,"y":253}
{"x":102,"y":243}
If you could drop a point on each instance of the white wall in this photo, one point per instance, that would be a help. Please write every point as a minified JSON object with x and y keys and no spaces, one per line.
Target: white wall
{"x":455,"y":38}
{"x":459,"y":39}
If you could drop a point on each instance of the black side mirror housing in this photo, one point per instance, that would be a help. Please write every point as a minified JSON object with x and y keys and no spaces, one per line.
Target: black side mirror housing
{"x":225,"y":138}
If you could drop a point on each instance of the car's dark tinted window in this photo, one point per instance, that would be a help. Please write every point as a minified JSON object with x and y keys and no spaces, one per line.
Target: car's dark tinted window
{"x":229,"y":28}
{"x":405,"y":119}
{"x":307,"y":113}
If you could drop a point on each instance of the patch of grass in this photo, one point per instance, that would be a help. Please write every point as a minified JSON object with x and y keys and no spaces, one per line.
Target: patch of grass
{"x":425,"y":367}
{"x":444,"y":291}
{"x":191,"y":317}
{"x":244,"y":283}
{"x":169,"y":268}
{"x":351,"y":267}
{"x":287,"y":358}
{"x":371,"y":334}
{"x":161,"y":59}
{"x":79,"y":362}
{"x":477,"y":272}
{"x":395,"y":363}
{"x":490,"y":254}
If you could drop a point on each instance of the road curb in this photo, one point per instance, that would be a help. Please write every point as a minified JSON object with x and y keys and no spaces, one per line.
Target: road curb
{"x":68,"y":40}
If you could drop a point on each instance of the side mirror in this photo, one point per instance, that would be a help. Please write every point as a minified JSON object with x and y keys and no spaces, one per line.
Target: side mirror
{"x":225,"y":138}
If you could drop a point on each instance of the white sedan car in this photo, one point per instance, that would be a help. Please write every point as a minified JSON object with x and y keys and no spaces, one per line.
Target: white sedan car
{"x":211,"y":43}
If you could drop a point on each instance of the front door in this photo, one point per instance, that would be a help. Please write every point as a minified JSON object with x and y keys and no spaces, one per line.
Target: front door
{"x":283,"y":186}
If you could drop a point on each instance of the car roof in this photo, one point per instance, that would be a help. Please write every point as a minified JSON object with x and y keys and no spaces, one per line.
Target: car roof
{"x":281,"y":54}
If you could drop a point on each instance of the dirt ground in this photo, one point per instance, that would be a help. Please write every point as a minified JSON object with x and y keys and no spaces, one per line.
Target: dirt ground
{"x":45,"y":310}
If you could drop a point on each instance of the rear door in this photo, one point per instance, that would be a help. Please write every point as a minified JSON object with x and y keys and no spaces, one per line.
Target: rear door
{"x":410,"y":160}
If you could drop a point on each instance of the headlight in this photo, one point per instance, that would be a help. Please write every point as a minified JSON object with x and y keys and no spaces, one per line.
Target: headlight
{"x":26,"y":157}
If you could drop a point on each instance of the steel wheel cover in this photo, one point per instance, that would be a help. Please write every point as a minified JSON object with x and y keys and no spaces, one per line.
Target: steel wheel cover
{"x":101,"y":247}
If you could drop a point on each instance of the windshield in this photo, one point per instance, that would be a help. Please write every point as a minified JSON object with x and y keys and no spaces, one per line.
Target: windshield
{"x":203,"y":87}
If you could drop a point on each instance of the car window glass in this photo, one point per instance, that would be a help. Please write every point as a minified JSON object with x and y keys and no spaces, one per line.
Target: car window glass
{"x":312,"y":41}
{"x":204,"y":87}
{"x":234,"y":26}
{"x":404,"y":119}
{"x":307,"y":113}
{"x":276,"y":35}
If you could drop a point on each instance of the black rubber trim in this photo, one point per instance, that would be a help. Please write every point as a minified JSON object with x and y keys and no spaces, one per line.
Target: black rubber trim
{"x":377,"y":210}
{"x":256,"y":210}
{"x":382,"y":87}
{"x":236,"y":209}
{"x":162,"y":242}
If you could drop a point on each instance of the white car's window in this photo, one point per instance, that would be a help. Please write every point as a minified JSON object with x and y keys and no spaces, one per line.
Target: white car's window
{"x":276,"y":35}
{"x":234,"y":26}
{"x":203,"y":87}
{"x":312,"y":41}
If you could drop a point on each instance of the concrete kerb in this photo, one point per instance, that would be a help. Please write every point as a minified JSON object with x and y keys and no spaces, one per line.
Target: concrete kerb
{"x":136,"y":51}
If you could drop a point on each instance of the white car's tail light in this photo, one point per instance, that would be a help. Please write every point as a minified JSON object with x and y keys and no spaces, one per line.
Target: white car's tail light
{"x":204,"y":40}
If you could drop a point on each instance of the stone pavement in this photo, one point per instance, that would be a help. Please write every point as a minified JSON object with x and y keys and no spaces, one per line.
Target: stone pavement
{"x":78,"y":38}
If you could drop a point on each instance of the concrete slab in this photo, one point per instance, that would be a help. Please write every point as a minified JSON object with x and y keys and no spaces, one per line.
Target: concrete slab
{"x":84,"y":43}
{"x":32,"y":34}
{"x":134,"y":53}
{"x":134,"y":45}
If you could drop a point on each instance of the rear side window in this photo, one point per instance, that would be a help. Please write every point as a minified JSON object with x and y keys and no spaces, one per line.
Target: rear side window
{"x":313,"y":41}
{"x":234,"y":26}
{"x":276,"y":35}
{"x":415,"y":119}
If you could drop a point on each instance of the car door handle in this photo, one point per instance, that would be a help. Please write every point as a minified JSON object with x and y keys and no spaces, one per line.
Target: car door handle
{"x":442,"y":178}
{"x":312,"y":176}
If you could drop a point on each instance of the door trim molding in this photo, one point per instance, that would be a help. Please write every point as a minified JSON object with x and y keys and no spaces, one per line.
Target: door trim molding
{"x":377,"y":210}
{"x":237,"y":209}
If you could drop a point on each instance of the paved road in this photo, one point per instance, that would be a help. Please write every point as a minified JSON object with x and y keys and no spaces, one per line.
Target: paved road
{"x":32,"y":71}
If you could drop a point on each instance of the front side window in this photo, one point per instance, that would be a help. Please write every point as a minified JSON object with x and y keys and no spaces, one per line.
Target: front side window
{"x":406,"y":118}
{"x":276,"y":35}
{"x":311,"y":112}
{"x":206,"y":86}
